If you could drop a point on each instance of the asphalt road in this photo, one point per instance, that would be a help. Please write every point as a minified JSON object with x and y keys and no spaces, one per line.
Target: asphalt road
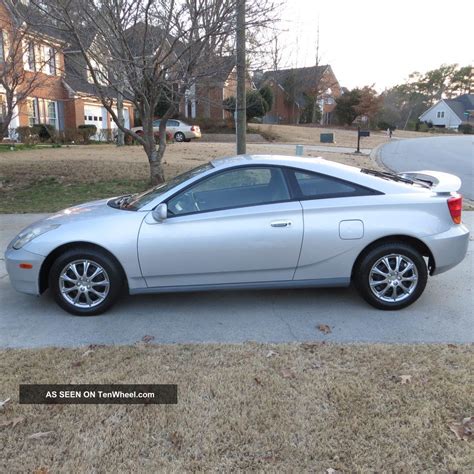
{"x":450,"y":154}
{"x":443,"y":314}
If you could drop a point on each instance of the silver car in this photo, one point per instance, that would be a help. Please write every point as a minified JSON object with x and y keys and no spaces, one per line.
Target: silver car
{"x":177,"y":129}
{"x":249,"y":222}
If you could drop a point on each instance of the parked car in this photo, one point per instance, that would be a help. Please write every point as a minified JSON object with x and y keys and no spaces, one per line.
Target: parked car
{"x":250,"y":222}
{"x":179,"y":130}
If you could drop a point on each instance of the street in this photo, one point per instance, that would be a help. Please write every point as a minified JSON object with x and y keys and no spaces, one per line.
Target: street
{"x":450,"y":154}
{"x":443,"y":314}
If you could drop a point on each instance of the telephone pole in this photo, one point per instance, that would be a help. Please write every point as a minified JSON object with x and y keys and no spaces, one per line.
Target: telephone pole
{"x":241,"y":112}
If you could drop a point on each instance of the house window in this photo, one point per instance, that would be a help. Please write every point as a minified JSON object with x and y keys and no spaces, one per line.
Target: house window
{"x":32,"y":109}
{"x":442,"y":114}
{"x":31,"y":56}
{"x":51,"y":52}
{"x":51,"y":113}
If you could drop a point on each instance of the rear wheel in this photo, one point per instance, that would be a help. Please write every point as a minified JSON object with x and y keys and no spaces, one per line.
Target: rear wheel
{"x":85,"y":282}
{"x":179,"y":137}
{"x":391,"y":276}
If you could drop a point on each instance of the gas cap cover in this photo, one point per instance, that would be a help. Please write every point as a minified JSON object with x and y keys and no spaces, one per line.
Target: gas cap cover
{"x":351,"y":229}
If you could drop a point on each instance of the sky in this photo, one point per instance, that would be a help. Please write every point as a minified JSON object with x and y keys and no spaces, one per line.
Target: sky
{"x":377,"y":42}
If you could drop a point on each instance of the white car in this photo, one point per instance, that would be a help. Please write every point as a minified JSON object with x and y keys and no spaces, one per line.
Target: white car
{"x":179,"y":130}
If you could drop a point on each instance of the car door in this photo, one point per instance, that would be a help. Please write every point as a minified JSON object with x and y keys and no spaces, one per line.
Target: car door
{"x":236,"y":226}
{"x":172,"y":126}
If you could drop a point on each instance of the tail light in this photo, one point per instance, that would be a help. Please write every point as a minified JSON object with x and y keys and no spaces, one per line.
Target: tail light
{"x":195,"y":128}
{"x":455,"y":208}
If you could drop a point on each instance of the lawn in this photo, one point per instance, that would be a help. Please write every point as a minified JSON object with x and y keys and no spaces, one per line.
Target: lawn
{"x":49,"y":179}
{"x":251,"y":407}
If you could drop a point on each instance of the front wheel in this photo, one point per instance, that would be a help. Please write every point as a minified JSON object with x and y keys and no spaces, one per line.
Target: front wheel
{"x":391,"y":276}
{"x":85,"y":282}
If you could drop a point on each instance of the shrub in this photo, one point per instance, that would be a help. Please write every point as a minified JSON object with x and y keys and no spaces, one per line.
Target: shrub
{"x":45,"y":132}
{"x":27,"y":135}
{"x":466,"y":128}
{"x":384,"y":125}
{"x":87,"y":131}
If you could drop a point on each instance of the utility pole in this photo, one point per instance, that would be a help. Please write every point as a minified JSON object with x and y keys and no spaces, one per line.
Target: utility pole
{"x":241,"y":112}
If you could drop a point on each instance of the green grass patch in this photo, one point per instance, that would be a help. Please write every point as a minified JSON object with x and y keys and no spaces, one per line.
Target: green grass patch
{"x":49,"y":195}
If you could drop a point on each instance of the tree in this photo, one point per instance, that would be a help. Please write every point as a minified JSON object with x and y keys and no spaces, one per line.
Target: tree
{"x":18,"y":82}
{"x":151,"y":51}
{"x":370,"y":103}
{"x":267,"y":95}
{"x":256,"y":105}
{"x":346,"y":105}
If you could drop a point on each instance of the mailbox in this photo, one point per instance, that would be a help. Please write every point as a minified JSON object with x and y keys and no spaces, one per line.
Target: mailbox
{"x":364,"y":133}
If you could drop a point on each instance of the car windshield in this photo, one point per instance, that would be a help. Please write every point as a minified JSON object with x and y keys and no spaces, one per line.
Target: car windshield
{"x":139,"y":200}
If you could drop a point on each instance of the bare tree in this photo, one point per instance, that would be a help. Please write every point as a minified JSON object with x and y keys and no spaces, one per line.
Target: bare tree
{"x":151,"y":51}
{"x":21,"y":64}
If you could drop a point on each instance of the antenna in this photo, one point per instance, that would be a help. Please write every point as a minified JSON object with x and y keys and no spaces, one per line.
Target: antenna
{"x":317,"y":44}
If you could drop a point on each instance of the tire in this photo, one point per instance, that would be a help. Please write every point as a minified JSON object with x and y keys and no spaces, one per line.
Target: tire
{"x":394,"y":288}
{"x":179,"y":137}
{"x":63,"y":281}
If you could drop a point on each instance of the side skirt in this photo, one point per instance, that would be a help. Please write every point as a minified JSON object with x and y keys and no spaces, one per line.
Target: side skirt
{"x":264,"y":285}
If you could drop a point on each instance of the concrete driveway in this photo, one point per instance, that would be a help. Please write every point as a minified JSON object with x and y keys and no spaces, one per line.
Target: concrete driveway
{"x":450,"y":154}
{"x":443,"y":314}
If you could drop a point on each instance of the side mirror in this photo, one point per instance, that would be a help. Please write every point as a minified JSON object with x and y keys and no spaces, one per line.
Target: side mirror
{"x":160,"y":213}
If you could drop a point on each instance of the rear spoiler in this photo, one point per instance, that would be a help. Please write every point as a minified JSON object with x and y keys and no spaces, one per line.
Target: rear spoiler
{"x":438,"y":181}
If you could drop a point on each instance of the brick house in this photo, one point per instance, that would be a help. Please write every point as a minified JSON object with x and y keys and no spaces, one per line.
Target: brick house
{"x":294,"y":88}
{"x":61,"y":97}
{"x":214,"y":83}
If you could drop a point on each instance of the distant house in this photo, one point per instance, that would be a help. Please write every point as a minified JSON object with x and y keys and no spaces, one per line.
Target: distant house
{"x":65,"y":96}
{"x":450,"y":113}
{"x":293,"y":89}
{"x":215,"y":81}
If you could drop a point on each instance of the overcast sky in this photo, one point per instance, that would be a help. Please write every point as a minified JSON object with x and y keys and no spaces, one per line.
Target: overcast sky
{"x":378,"y":41}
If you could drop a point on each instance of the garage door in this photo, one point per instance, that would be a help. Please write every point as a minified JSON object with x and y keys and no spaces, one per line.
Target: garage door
{"x":93,"y":115}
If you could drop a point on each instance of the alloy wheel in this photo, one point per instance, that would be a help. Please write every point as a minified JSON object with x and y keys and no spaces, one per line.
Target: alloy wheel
{"x":84,"y":283}
{"x":393,"y":278}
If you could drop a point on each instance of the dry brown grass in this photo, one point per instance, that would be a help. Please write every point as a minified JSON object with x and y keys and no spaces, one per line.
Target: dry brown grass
{"x":344,"y":137}
{"x":308,"y":408}
{"x":95,"y":163}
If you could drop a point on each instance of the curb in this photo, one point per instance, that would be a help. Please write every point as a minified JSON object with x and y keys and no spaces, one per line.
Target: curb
{"x":376,"y":156}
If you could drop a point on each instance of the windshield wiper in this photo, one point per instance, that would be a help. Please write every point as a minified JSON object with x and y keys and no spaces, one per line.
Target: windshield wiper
{"x":387,"y":175}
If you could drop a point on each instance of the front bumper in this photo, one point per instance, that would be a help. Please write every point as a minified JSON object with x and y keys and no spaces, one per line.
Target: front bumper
{"x":24,"y":280}
{"x":448,"y":248}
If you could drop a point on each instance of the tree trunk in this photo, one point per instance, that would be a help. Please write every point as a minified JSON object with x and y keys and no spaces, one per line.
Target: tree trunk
{"x":120,"y":134}
{"x":156,"y":170}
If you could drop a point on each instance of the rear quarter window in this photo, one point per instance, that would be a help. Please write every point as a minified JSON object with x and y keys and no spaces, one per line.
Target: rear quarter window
{"x":319,"y":186}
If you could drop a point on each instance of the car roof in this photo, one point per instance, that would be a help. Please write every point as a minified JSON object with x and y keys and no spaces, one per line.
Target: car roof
{"x":319,"y":165}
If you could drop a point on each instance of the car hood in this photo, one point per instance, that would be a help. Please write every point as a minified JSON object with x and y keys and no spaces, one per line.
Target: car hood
{"x":86,"y":211}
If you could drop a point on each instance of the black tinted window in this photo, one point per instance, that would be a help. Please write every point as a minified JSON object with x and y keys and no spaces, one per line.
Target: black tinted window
{"x":317,"y":186}
{"x":234,"y":188}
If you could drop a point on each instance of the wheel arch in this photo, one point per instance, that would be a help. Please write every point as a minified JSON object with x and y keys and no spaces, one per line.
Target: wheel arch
{"x":416,"y":243}
{"x":53,"y":255}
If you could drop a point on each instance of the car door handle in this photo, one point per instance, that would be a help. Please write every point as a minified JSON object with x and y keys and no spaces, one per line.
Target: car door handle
{"x":281,"y":224}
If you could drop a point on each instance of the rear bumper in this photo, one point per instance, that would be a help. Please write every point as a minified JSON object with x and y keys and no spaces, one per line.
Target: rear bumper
{"x":192,"y":135}
{"x":24,"y":280}
{"x":448,"y":248}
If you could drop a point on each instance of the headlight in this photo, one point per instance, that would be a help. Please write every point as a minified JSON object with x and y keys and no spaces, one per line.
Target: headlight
{"x":30,"y":233}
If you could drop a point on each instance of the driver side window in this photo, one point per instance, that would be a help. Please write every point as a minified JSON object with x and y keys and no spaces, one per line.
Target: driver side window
{"x":241,"y":187}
